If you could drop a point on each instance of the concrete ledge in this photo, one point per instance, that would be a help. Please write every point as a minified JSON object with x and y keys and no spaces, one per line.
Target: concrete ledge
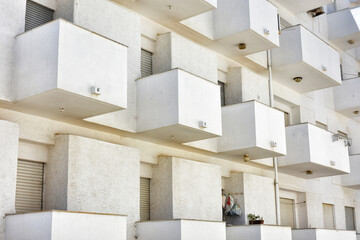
{"x":323,"y":234}
{"x":258,"y":232}
{"x":62,"y":225}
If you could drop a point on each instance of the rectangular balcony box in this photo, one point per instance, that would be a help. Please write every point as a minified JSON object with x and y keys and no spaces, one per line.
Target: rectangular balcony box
{"x":252,"y":128}
{"x":322,"y":234}
{"x":62,"y":225}
{"x":258,"y":232}
{"x":174,"y":51}
{"x":352,"y":180}
{"x":313,"y":152}
{"x":344,"y":28}
{"x":170,"y":10}
{"x":181,"y":229}
{"x":296,"y":6}
{"x":252,"y":22}
{"x":65,"y":70}
{"x":304,"y":57}
{"x":178,"y":106}
{"x":347,"y":98}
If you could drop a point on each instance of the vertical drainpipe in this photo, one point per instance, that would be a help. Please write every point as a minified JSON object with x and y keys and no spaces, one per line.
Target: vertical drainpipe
{"x":275,"y":160}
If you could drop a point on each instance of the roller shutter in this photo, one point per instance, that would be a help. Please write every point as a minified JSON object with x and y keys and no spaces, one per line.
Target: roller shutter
{"x":146,"y":63}
{"x":29,"y":186}
{"x":144,"y":199}
{"x":37,"y":15}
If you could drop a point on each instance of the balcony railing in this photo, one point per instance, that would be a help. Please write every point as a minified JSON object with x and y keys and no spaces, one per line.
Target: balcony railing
{"x":344,"y":28}
{"x":181,"y":229}
{"x":61,"y":225}
{"x":65,"y":70}
{"x":178,"y":106}
{"x":313,"y":152}
{"x":347,"y":98}
{"x":322,"y":234}
{"x":304,"y":62}
{"x":258,"y":232}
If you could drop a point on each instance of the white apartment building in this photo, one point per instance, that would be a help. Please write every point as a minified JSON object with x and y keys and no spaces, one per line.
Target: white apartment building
{"x":131,"y":119}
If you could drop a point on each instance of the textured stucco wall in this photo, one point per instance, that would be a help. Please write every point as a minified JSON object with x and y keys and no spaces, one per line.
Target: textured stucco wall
{"x":185,"y":189}
{"x":255,"y":195}
{"x":12,"y":23}
{"x":9,"y":141}
{"x":101,"y":177}
{"x":175,"y":51}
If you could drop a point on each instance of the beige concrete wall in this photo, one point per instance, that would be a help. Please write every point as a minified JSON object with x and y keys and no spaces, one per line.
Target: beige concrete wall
{"x":93,"y":176}
{"x":185,"y":189}
{"x":9,"y":141}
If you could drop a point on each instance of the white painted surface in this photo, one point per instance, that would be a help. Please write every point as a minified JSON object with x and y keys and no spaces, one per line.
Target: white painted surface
{"x":173,"y":51}
{"x":181,"y":230}
{"x":185,"y":189}
{"x":344,"y":25}
{"x":93,"y":176}
{"x":303,"y":54}
{"x":250,"y":128}
{"x":176,"y":11}
{"x":322,"y":234}
{"x":313,"y":148}
{"x":347,"y":97}
{"x":9,"y":141}
{"x":352,"y":179}
{"x":174,"y":103}
{"x":57,"y":64}
{"x":244,"y":21}
{"x":258,"y":232}
{"x":61,"y":225}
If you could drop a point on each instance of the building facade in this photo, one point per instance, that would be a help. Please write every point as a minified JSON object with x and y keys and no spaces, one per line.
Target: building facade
{"x":136,"y":119}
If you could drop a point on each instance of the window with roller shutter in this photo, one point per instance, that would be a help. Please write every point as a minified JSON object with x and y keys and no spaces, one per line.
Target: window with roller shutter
{"x":37,"y":15}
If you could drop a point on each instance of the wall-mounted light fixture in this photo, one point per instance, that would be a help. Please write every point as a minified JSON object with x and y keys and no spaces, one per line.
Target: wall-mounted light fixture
{"x":242,"y":46}
{"x":351,"y":41}
{"x":316,"y":12}
{"x":309,"y":172}
{"x":297,"y":79}
{"x":246,"y":157}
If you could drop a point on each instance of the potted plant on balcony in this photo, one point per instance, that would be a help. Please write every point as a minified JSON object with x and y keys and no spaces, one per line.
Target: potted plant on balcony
{"x":255,"y":219}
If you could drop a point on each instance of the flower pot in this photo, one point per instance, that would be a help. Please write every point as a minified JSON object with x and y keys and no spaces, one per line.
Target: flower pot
{"x":252,"y":222}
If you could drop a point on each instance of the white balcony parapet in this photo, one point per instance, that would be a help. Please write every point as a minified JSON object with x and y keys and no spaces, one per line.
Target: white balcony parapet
{"x":181,"y":229}
{"x":304,"y":62}
{"x":65,"y":70}
{"x":322,"y":234}
{"x":252,"y":128}
{"x":178,"y":106}
{"x":344,"y":28}
{"x":251,"y":22}
{"x":347,"y":98}
{"x":173,"y":10}
{"x":296,"y":6}
{"x":62,"y":225}
{"x":258,"y":232}
{"x":352,"y":180}
{"x":313,"y":152}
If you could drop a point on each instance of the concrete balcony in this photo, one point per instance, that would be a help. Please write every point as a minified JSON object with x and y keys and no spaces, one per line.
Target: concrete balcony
{"x":62,"y":225}
{"x":181,"y":230}
{"x":173,"y":10}
{"x":344,"y":28}
{"x":352,"y":180}
{"x":304,"y":57}
{"x":347,"y":98}
{"x":63,"y":70}
{"x":313,"y":152}
{"x":322,"y":234}
{"x":252,"y":128}
{"x":296,"y":6}
{"x":251,"y":22}
{"x":178,"y":106}
{"x":258,"y":232}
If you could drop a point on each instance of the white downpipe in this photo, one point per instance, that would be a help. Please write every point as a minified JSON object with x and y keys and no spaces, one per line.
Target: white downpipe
{"x":275,"y":160}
